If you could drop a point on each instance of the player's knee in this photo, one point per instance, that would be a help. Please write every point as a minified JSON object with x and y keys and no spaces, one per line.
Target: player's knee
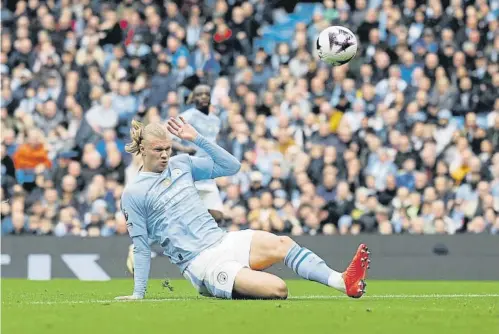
{"x":286,"y":241}
{"x":280,"y":290}
{"x":284,"y":244}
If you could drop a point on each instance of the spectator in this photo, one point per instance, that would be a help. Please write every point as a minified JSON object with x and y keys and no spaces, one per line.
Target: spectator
{"x":138,"y":48}
{"x":103,"y":116}
{"x":203,"y":60}
{"x":161,"y":84}
{"x":175,"y":50}
{"x":49,"y":118}
{"x":124,"y":102}
{"x":381,"y":166}
{"x":360,"y":148}
{"x":183,"y":70}
{"x":92,"y":163}
{"x":327,"y":189}
{"x":8,"y":168}
{"x":16,"y":224}
{"x":32,"y":153}
{"x":115,"y":168}
{"x":68,"y":224}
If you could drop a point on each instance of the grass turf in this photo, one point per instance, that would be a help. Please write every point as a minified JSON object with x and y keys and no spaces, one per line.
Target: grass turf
{"x":70,"y":307}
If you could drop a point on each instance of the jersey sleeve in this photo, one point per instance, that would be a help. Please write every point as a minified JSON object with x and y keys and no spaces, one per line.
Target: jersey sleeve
{"x":141,"y":264}
{"x":218,"y":163}
{"x":132,"y":208}
{"x":201,"y":168}
{"x":187,"y":115}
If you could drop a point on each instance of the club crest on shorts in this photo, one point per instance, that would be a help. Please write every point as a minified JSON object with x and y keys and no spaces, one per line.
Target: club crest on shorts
{"x":222,"y":278}
{"x":167,"y":182}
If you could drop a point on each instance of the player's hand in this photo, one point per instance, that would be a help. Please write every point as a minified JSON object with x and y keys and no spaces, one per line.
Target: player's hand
{"x":182,"y":129}
{"x":132,"y":297}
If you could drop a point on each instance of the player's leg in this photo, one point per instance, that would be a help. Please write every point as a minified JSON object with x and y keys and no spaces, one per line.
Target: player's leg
{"x":225,"y":271}
{"x":231,"y":279}
{"x":251,"y":284}
{"x":268,"y":249}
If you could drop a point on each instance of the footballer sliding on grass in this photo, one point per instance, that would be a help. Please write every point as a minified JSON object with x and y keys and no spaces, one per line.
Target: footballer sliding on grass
{"x":163,"y":204}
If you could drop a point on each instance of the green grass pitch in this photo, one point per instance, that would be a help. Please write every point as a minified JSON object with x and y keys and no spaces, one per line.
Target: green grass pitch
{"x":70,"y":307}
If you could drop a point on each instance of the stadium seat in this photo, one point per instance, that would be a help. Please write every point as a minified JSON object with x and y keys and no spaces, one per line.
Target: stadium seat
{"x":305,"y":7}
{"x":268,"y":44}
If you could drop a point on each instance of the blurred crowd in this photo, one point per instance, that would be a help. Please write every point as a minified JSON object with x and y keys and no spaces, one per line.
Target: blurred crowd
{"x":403,"y":139}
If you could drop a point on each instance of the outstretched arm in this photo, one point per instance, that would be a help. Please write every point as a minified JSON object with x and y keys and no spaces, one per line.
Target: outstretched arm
{"x":218,"y":163}
{"x":137,"y":228}
{"x":141,"y":266}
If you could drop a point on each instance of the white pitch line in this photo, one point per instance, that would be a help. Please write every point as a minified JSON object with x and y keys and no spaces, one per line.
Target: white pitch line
{"x":318,"y":297}
{"x":427,"y":296}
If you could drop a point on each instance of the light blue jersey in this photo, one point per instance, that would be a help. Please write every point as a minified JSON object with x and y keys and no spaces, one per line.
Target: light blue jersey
{"x":208,"y":126}
{"x":166,"y":208}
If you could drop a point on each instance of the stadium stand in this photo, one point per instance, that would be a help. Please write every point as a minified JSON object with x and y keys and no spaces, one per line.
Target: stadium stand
{"x":403,"y":139}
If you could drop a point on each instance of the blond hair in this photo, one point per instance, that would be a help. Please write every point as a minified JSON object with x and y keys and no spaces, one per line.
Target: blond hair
{"x":139,"y":132}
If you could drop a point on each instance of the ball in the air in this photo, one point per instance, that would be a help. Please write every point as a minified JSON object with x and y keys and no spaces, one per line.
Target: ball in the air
{"x":336,"y":45}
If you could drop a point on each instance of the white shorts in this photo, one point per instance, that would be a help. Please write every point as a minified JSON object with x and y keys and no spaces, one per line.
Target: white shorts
{"x":213,"y":272}
{"x":210,"y":196}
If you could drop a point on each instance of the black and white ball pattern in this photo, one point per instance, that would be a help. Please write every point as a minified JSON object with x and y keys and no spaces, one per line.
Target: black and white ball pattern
{"x":336,"y":45}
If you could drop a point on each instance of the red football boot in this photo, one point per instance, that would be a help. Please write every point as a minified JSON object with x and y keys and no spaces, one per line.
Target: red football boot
{"x":356,"y":273}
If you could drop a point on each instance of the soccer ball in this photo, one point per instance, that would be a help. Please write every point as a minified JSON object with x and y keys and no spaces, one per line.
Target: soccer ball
{"x":336,"y":45}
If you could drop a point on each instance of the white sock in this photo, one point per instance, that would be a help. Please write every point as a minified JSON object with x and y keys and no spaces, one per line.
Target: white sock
{"x":336,"y":281}
{"x":308,"y":265}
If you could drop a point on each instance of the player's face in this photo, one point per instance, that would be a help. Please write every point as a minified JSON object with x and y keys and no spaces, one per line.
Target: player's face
{"x":202,"y":96}
{"x":156,"y":153}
